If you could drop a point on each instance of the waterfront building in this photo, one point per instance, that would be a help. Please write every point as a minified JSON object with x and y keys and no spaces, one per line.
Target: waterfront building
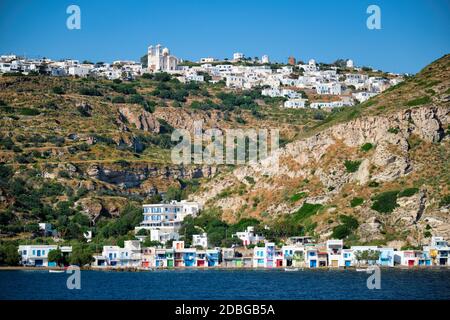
{"x":37,"y":255}
{"x":346,"y":258}
{"x":264,"y":256}
{"x":200,"y":259}
{"x":148,"y":257}
{"x":128,"y":256}
{"x":293,"y":256}
{"x":386,"y":258}
{"x":163,"y":220}
{"x":265,"y":59}
{"x":213,"y":257}
{"x":311,"y":256}
{"x":228,"y":256}
{"x":334,"y":249}
{"x":438,"y":251}
{"x":411,"y":258}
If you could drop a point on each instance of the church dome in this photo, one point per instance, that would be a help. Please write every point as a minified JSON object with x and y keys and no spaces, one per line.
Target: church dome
{"x":166,"y":51}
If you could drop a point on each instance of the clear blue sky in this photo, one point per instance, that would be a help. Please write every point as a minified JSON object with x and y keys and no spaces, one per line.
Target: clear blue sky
{"x":413,"y":33}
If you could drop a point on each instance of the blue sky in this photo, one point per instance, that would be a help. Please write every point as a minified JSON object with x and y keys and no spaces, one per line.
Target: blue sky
{"x":413,"y":33}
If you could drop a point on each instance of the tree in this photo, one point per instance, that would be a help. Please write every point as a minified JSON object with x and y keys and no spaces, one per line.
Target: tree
{"x":81,"y":255}
{"x":9,"y":255}
{"x":151,"y":243}
{"x":56,"y":256}
{"x":173,"y":193}
{"x":230,"y":242}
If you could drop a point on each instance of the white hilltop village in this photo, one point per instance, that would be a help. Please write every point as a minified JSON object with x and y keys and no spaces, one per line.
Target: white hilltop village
{"x":301,"y":85}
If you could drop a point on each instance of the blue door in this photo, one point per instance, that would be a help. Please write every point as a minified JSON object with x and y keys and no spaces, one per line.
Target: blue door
{"x":313,"y":263}
{"x":38,"y":263}
{"x":348,"y":263}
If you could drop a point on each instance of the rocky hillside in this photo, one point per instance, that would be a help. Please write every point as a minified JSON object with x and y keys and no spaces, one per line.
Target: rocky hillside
{"x":76,"y":152}
{"x":385,"y":172}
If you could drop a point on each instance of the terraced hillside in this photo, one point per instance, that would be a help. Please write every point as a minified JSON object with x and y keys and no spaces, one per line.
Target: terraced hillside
{"x":377,"y":173}
{"x":84,"y":153}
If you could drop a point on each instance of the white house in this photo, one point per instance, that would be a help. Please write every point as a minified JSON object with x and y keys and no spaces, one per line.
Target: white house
{"x":264,"y":256}
{"x":207,"y":60}
{"x":295,"y":103}
{"x":128,"y":256}
{"x":265,"y":59}
{"x":439,"y":251}
{"x":81,"y":70}
{"x":334,"y":249}
{"x":37,"y":255}
{"x":200,"y":240}
{"x":363,"y":96}
{"x":248,"y":236}
{"x":238,"y":56}
{"x":332,"y":88}
{"x":164,"y":219}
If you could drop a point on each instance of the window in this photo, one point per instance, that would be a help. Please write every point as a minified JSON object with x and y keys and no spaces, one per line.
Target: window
{"x":24,"y":252}
{"x":34,"y":252}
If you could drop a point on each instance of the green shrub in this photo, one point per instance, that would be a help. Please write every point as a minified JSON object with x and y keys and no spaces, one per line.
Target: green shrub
{"x":408,"y":192}
{"x":385,"y":202}
{"x":352,"y":166}
{"x":418,"y":101}
{"x":124,"y":88}
{"x":373,"y":184}
{"x":393,"y":130}
{"x":366,"y":147}
{"x":89,"y":92}
{"x":58,"y":90}
{"x":28,"y":112}
{"x":445,"y":201}
{"x":249,"y":179}
{"x":118,"y":99}
{"x":356,"y":202}
{"x":341,"y":232}
{"x":298,"y":196}
{"x":307,"y":210}
{"x":351,"y":222}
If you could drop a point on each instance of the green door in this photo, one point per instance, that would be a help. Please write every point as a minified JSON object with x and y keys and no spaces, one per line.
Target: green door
{"x":170,"y":263}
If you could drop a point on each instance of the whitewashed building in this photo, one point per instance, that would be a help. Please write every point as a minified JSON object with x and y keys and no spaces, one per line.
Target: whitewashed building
{"x":200,"y":240}
{"x":163,"y":220}
{"x":159,"y":59}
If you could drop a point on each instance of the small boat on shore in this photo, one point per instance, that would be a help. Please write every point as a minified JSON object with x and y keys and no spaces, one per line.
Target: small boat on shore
{"x":55,"y":271}
{"x":290,"y":269}
{"x":360,"y":270}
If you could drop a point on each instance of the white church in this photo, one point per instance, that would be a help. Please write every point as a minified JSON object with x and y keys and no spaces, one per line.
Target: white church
{"x":160,"y":59}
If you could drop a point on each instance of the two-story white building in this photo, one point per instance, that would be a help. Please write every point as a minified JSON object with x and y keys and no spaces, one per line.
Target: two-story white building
{"x":163,"y":220}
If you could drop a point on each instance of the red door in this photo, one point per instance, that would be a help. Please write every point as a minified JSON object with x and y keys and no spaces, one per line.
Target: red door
{"x":200,"y":263}
{"x":279,"y":263}
{"x":410,"y":263}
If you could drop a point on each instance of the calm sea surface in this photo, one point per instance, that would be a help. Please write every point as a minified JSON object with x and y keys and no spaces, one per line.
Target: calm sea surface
{"x":227,"y":284}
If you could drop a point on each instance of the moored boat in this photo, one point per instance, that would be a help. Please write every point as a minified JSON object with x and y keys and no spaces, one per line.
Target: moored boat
{"x":55,"y":271}
{"x":290,"y":269}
